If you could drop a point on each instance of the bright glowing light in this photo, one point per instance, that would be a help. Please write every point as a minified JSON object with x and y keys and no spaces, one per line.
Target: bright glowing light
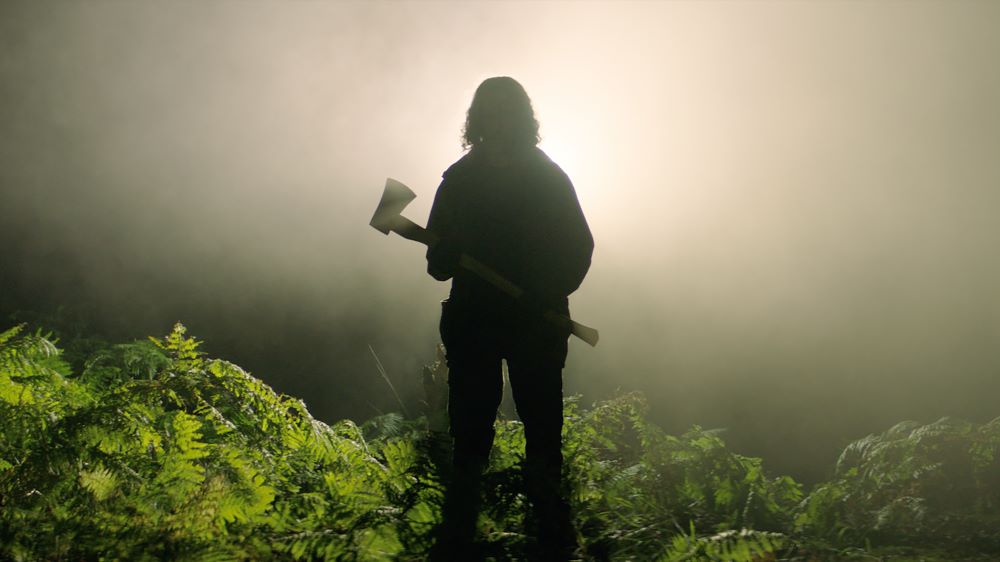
{"x":564,"y":153}
{"x":571,"y":137}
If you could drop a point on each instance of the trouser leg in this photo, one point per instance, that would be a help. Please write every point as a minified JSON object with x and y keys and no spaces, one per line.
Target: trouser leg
{"x":537,"y":390}
{"x":537,"y":393}
{"x":474,"y":394}
{"x":475,"y":389}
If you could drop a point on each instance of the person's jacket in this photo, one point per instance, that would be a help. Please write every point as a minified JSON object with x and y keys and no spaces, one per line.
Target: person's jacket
{"x":522,"y":219}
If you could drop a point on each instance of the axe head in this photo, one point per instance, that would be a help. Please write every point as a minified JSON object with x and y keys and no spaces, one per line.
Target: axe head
{"x":395,"y":198}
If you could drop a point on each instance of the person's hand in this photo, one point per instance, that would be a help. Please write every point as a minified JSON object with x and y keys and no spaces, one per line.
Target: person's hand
{"x":443,"y":258}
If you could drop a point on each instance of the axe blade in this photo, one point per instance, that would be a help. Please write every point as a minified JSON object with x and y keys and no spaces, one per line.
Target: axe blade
{"x":395,"y":198}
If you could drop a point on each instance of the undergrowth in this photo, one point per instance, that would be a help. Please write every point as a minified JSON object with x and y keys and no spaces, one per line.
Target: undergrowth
{"x":151,"y":451}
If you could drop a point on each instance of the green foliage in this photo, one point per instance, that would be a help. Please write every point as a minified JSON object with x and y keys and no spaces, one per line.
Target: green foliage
{"x":153,"y":451}
{"x":728,"y":546}
{"x":925,"y":484}
{"x":634,"y":486}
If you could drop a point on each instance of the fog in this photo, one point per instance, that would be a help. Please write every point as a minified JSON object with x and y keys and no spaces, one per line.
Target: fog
{"x":794,"y":204}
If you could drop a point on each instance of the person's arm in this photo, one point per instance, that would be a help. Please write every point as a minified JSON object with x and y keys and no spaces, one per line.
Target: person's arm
{"x":443,"y":256}
{"x":566,"y":244}
{"x":576,"y":241}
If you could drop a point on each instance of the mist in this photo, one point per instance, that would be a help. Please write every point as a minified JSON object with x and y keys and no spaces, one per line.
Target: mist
{"x":794,"y":204}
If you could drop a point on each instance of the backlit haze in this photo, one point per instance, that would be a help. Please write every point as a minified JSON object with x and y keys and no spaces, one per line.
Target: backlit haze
{"x":795,"y":204}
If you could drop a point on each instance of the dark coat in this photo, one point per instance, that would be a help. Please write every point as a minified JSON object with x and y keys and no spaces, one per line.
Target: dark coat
{"x":522,"y":219}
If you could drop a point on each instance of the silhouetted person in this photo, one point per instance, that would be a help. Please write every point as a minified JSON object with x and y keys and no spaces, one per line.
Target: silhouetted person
{"x":508,"y":205}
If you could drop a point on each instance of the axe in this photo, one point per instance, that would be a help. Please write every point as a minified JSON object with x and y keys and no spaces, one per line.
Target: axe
{"x":387,"y":218}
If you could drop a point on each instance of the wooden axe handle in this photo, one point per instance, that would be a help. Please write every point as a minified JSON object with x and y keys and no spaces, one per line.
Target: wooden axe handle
{"x":413,"y":231}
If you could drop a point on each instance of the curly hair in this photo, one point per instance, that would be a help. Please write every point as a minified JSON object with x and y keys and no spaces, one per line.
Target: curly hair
{"x":503,"y":101}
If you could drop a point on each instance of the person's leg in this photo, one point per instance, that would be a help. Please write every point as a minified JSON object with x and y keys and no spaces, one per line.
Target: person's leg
{"x":474,"y":394}
{"x":475,"y":388}
{"x":475,"y":380}
{"x":536,"y":384}
{"x":537,"y":391}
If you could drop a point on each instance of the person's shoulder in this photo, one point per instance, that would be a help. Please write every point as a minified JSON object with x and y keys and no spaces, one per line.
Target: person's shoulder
{"x":548,"y":167}
{"x":460,"y":167}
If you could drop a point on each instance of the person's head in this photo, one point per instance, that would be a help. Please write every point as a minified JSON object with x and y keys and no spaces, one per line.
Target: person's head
{"x":500,"y":115}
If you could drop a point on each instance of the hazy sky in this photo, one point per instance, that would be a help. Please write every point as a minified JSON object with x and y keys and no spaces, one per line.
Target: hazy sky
{"x":794,"y":203}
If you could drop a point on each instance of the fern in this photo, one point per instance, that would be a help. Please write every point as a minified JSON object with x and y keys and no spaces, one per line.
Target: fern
{"x":728,"y":546}
{"x":99,"y":481}
{"x":155,"y":451}
{"x":913,"y":483}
